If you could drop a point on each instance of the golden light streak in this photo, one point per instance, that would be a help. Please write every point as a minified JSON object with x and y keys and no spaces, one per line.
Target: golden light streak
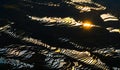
{"x":87,"y":25}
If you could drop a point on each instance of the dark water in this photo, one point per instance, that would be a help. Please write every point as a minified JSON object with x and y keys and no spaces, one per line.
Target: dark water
{"x":16,"y":11}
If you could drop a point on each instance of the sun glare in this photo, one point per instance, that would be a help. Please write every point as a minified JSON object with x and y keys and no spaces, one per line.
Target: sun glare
{"x":87,"y":25}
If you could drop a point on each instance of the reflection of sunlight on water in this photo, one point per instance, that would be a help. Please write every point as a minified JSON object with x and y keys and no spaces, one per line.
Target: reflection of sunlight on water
{"x":56,"y":57}
{"x":79,"y":5}
{"x":108,"y":17}
{"x":88,"y":25}
{"x":112,"y":30}
{"x":53,"y":21}
{"x":81,"y":56}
